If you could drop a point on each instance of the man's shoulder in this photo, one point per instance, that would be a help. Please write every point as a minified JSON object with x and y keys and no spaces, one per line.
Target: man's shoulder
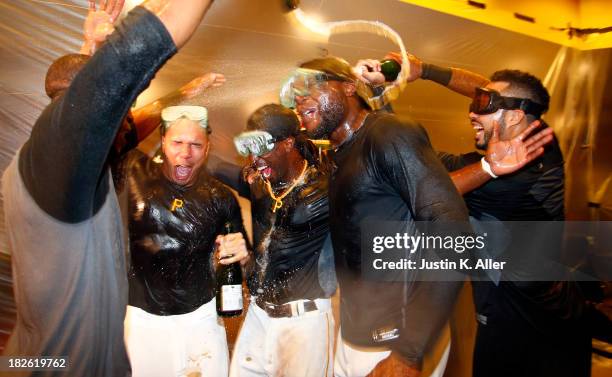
{"x":385,"y":129}
{"x":553,"y":156}
{"x":383,"y":120}
{"x":317,"y":178}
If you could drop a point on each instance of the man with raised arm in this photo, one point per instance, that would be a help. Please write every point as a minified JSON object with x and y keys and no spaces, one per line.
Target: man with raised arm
{"x":385,"y":171}
{"x":63,"y":222}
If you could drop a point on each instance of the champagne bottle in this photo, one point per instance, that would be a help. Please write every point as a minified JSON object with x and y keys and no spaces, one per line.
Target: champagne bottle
{"x":390,"y":69}
{"x":229,"y":286}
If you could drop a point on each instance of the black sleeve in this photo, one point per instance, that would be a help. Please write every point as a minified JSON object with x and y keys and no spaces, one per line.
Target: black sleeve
{"x":63,"y":163}
{"x":228,"y":173}
{"x":454,"y":162}
{"x":549,"y":189}
{"x":409,"y":164}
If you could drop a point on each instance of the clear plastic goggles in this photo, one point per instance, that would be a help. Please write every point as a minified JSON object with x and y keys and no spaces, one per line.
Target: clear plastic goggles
{"x":302,"y":82}
{"x":254,"y":143}
{"x":197,"y":114}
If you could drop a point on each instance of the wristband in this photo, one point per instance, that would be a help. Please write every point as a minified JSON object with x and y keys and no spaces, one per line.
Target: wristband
{"x":438,"y":74}
{"x":486,"y":167}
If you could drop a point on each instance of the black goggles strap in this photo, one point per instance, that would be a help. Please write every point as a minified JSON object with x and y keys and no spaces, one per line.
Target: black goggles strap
{"x":527,"y":105}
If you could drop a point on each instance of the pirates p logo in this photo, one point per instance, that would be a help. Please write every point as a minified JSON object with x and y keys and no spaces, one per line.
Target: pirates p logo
{"x":277,"y":204}
{"x":177,"y":203}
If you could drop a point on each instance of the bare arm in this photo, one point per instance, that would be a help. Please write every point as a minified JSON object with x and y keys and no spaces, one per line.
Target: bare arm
{"x":465,"y":82}
{"x":148,"y":117}
{"x":78,"y":129}
{"x":469,"y":178}
{"x":180,"y":18}
{"x":456,"y":79}
{"x":98,"y":26}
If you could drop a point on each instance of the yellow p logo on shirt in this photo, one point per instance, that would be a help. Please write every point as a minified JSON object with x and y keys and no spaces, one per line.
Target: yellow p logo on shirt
{"x":177,"y":203}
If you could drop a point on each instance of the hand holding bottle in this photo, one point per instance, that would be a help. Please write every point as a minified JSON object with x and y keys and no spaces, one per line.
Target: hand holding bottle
{"x":416,"y":65}
{"x":231,"y":248}
{"x":377,"y":72}
{"x":368,"y":71}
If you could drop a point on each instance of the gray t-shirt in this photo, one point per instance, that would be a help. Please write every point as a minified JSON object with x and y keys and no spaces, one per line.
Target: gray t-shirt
{"x":70,"y":284}
{"x":62,"y":218}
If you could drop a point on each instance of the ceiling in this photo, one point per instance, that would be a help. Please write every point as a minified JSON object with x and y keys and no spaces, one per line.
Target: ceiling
{"x":538,"y":17}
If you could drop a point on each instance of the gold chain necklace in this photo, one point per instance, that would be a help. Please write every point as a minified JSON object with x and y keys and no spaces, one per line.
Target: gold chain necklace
{"x":278,"y":200}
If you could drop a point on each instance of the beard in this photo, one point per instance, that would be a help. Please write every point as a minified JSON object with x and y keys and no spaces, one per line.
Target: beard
{"x":332,"y":112}
{"x":487,"y":134}
{"x":484,"y":144}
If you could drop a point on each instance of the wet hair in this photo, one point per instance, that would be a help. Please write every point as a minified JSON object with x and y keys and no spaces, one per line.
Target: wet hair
{"x":333,"y":66}
{"x":523,"y":85}
{"x":277,"y":120}
{"x":61,"y":73}
{"x":281,"y":123}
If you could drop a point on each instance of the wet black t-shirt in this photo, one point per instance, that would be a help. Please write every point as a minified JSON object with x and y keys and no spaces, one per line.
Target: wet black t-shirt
{"x":388,"y":171}
{"x":172,"y":237}
{"x":526,"y":325}
{"x":534,"y":193}
{"x":288,"y":242}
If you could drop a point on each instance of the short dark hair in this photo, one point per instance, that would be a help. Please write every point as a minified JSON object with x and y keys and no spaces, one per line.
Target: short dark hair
{"x":524,"y":85}
{"x":282,"y":123}
{"x":61,"y":73}
{"x":277,"y":120}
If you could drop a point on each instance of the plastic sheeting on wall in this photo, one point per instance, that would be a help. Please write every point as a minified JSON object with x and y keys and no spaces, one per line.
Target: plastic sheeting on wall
{"x":579,"y":83}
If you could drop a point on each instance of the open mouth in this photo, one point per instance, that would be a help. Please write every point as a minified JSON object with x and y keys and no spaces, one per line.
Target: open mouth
{"x":479,"y":130}
{"x":265,"y":171}
{"x":182,"y":173}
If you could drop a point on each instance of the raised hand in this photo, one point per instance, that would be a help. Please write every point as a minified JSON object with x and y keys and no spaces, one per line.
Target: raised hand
{"x":99,"y":23}
{"x":199,"y":84}
{"x":508,"y":156}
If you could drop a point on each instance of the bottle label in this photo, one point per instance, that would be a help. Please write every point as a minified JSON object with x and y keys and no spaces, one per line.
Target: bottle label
{"x":231,"y":298}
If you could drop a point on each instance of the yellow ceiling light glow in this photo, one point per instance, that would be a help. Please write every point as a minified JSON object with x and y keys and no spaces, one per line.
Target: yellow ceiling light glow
{"x":311,"y":23}
{"x":547,"y":14}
